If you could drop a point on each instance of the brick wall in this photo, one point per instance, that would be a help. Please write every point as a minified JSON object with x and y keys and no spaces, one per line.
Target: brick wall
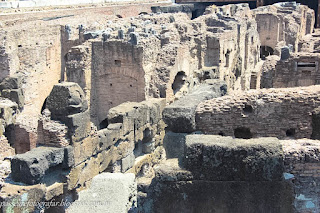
{"x":299,"y":70}
{"x":274,"y":112}
{"x":118,"y":76}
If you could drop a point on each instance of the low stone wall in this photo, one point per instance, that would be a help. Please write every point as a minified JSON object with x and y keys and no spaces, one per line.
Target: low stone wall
{"x":180,"y":116}
{"x":236,"y":175}
{"x":260,"y":113}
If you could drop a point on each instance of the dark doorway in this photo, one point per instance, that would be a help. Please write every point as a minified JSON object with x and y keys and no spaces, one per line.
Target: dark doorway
{"x":242,"y":132}
{"x":265,"y":51}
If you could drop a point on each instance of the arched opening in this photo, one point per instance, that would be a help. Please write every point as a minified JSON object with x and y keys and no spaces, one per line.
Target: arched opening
{"x":242,"y":132}
{"x":119,"y":16}
{"x":179,"y":81}
{"x":265,"y":51}
{"x":143,"y":13}
{"x":247,"y":109}
{"x":104,"y":124}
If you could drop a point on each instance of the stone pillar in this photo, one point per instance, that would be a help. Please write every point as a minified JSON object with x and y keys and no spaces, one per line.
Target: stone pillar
{"x":260,"y":3}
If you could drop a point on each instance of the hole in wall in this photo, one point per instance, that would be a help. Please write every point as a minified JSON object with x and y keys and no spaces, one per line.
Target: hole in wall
{"x":242,"y":132}
{"x":104,"y":124}
{"x":291,"y":132}
{"x":117,"y":63}
{"x":221,"y":134}
{"x":179,"y":81}
{"x":247,"y":109}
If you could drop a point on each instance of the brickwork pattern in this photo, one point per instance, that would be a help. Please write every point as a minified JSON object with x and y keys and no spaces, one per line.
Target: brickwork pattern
{"x":271,"y":112}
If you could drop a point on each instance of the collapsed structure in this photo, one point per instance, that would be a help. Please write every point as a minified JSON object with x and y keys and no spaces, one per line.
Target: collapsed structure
{"x":173,"y":100}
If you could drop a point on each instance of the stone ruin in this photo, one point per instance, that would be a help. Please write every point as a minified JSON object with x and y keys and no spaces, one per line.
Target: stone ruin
{"x":160,"y":108}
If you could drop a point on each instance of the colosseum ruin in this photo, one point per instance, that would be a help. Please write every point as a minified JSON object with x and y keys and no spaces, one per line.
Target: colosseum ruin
{"x":193,"y":106}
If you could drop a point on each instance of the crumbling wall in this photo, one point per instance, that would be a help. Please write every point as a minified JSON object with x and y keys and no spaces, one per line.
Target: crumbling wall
{"x":298,"y":70}
{"x":275,"y":112}
{"x":301,"y":162}
{"x":287,"y":22}
{"x":134,"y":131}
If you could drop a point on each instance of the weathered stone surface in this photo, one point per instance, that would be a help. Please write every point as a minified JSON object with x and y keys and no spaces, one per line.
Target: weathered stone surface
{"x":222,"y":196}
{"x":54,"y":190}
{"x":31,"y":167}
{"x":180,"y":116}
{"x":170,"y":170}
{"x":65,"y":99}
{"x":8,"y":111}
{"x":135,"y":115}
{"x":174,"y":144}
{"x":226,"y":159}
{"x":112,"y":192}
{"x":67,"y":103}
{"x":32,"y":195}
{"x":285,"y":53}
{"x":15,"y":95}
{"x":281,"y":113}
{"x":127,"y":162}
{"x":84,"y":149}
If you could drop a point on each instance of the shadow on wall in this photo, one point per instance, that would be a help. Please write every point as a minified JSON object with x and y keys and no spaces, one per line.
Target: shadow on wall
{"x":265,"y":51}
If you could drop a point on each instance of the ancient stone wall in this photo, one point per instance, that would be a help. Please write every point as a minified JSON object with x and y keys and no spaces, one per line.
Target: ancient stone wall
{"x":302,"y":168}
{"x":134,"y":131}
{"x":260,"y":113}
{"x":283,"y":22}
{"x":299,"y":70}
{"x":118,"y":76}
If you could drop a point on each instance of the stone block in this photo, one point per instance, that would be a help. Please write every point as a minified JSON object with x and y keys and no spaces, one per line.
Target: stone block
{"x":83,"y":173}
{"x":13,"y":82}
{"x":8,"y":111}
{"x":180,"y":116}
{"x":127,"y":162}
{"x":65,"y":99}
{"x":222,"y":196}
{"x":115,"y":192}
{"x":285,"y":53}
{"x":107,"y":138}
{"x":31,"y":166}
{"x":54,"y":190}
{"x":220,"y":158}
{"x":174,"y":144}
{"x":78,"y":125}
{"x":15,"y":95}
{"x":106,"y":158}
{"x":84,"y":149}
